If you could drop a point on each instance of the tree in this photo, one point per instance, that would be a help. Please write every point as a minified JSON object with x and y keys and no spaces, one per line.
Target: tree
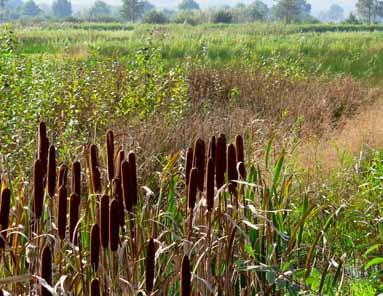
{"x":257,"y":11}
{"x":223,"y":16}
{"x":292,"y":10}
{"x":155,"y":17}
{"x":30,"y":8}
{"x":335,"y":13}
{"x":62,"y":8}
{"x":132,"y":10}
{"x":99,"y":8}
{"x":352,"y":19}
{"x":188,"y":5}
{"x":369,"y":10}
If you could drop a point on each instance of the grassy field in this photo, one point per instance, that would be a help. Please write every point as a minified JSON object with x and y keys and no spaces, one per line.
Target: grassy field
{"x":295,"y":210}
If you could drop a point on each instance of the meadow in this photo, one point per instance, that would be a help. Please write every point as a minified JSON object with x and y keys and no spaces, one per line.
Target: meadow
{"x":191,"y":160}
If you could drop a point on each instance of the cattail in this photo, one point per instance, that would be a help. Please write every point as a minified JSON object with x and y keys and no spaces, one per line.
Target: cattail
{"x":76,"y":178}
{"x":185,"y":277}
{"x":117,"y":194}
{"x":150,"y":266}
{"x":232,"y":174}
{"x":95,"y":168}
{"x":125,"y":176}
{"x":46,"y":269}
{"x":63,"y":176}
{"x":133,"y":178}
{"x":74,"y":216}
{"x":110,"y":154}
{"x":38,"y":188}
{"x":192,"y":189}
{"x":210,"y":184}
{"x":120,"y":159}
{"x":199,"y":161}
{"x":189,"y":164}
{"x":104,"y":221}
{"x":4,"y":214}
{"x":241,"y":170}
{"x":43,"y":146}
{"x":52,"y":171}
{"x":239,"y":149}
{"x":220,"y":161}
{"x":62,"y":211}
{"x":95,"y":246}
{"x":95,"y":288}
{"x":114,"y":225}
{"x":211,"y":149}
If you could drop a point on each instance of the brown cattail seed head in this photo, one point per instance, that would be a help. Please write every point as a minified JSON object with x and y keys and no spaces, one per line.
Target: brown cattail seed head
{"x":74,"y":216}
{"x":4,"y":214}
{"x":133,"y":178}
{"x":232,"y":174}
{"x":117,"y":194}
{"x":120,"y":159}
{"x":110,"y":154}
{"x":199,"y":161}
{"x":114,"y":225}
{"x":38,"y":188}
{"x":210,"y":184}
{"x":104,"y":221}
{"x":95,"y":246}
{"x":239,"y":149}
{"x":192,"y":189}
{"x":76,"y":178}
{"x":185,"y":277}
{"x":189,"y":164}
{"x":46,"y":269}
{"x":95,"y":288}
{"x":125,"y":176}
{"x":63,"y":176}
{"x":212,"y":148}
{"x":43,"y":146}
{"x":220,"y":161}
{"x":95,"y":168}
{"x":62,"y":211}
{"x":52,"y":171}
{"x":241,"y":170}
{"x":150,"y":266}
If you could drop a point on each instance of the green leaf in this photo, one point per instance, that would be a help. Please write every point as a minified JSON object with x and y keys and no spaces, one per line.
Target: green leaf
{"x":373,"y":262}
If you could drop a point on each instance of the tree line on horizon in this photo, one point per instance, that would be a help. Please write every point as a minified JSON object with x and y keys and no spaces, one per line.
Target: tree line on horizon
{"x":190,"y":12}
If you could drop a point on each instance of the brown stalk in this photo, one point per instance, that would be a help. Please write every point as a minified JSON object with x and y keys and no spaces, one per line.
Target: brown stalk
{"x":76,"y":178}
{"x":52,"y":171}
{"x":62,"y":212}
{"x":38,"y":189}
{"x":220,"y":161}
{"x":199,"y":161}
{"x":46,"y":269}
{"x":4,"y":214}
{"x":74,"y":216}
{"x":186,"y":277}
{"x":114,"y":225}
{"x":95,"y":247}
{"x":110,"y":154}
{"x":104,"y":221}
{"x":95,"y":168}
{"x":150,"y":266}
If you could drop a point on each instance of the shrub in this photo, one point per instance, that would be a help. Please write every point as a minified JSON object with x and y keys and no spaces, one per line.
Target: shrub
{"x":155,"y":17}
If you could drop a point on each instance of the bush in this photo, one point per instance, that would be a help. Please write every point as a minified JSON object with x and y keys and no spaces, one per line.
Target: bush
{"x":155,"y":17}
{"x":223,"y":16}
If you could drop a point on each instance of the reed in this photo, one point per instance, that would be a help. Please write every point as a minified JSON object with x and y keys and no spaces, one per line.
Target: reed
{"x":199,"y":162}
{"x":62,"y":212}
{"x":43,"y":146}
{"x":133,"y":178}
{"x":150,"y":266}
{"x":210,"y":185}
{"x":38,"y":189}
{"x":95,"y":288}
{"x":125,"y":177}
{"x":186,"y":286}
{"x":188,"y":165}
{"x":193,"y":187}
{"x":117,"y":194}
{"x":239,"y":149}
{"x":95,"y":247}
{"x":232,"y":174}
{"x":119,"y":161}
{"x":4,"y":215}
{"x":46,"y":270}
{"x":95,"y":169}
{"x":212,"y":148}
{"x":220,"y":161}
{"x":110,"y":154}
{"x":76,"y":178}
{"x":74,"y":211}
{"x":114,"y":225}
{"x":63,"y":176}
{"x":52,"y":171}
{"x":104,"y":221}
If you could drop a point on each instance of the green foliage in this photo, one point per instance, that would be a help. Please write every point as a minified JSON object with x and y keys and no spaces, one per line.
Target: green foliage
{"x":155,"y":17}
{"x":30,"y":8}
{"x":188,"y":5}
{"x":62,"y":8}
{"x":132,"y":10}
{"x":99,"y":8}
{"x":223,"y":16}
{"x":291,"y":10}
